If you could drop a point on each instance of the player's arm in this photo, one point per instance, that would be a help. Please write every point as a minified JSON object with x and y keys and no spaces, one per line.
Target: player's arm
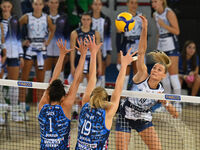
{"x":173,"y":27}
{"x":94,"y":48}
{"x":73,"y":38}
{"x":51,"y":28}
{"x":63,"y":51}
{"x":70,"y":98}
{"x":23,"y":20}
{"x":3,"y":45}
{"x":118,"y":45}
{"x":99,"y":54}
{"x":170,"y":108}
{"x":125,"y":61}
{"x":142,"y":69}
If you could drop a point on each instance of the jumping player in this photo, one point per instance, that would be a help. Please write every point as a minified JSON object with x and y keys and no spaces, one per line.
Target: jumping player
{"x":55,"y":106}
{"x":97,"y":112}
{"x":135,"y":113}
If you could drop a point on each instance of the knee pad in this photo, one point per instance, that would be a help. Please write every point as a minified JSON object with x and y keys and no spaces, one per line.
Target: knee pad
{"x":47,"y":76}
{"x":175,"y":84}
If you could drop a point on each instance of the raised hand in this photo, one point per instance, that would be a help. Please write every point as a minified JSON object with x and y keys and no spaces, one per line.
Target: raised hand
{"x":144,"y":21}
{"x":62,"y":47}
{"x":82,"y":46}
{"x":128,"y":58}
{"x":93,"y":47}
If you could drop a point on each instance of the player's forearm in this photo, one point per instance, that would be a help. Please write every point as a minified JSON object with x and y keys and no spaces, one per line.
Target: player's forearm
{"x":92,"y":73}
{"x":72,"y":58}
{"x":143,"y":42}
{"x":79,"y":69}
{"x":58,"y":67}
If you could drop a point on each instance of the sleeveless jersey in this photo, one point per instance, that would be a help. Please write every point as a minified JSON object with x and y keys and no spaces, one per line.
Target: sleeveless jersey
{"x":166,"y":41}
{"x":140,"y":108}
{"x":82,"y":35}
{"x":131,"y":38}
{"x":54,"y":128}
{"x":12,"y":38}
{"x":103,"y":26}
{"x":61,"y":32}
{"x":37,"y":30}
{"x":92,"y":132}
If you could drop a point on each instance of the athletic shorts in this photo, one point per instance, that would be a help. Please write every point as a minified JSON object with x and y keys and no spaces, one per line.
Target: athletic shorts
{"x":125,"y":125}
{"x":174,"y":52}
{"x":12,"y":62}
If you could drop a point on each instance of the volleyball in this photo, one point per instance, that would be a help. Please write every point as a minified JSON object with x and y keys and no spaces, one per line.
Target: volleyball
{"x":124,"y":22}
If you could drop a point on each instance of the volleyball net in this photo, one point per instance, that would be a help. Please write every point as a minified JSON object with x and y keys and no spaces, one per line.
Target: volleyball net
{"x":19,"y":127}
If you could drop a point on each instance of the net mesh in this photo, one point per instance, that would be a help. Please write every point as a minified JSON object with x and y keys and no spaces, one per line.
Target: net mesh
{"x":180,"y":134}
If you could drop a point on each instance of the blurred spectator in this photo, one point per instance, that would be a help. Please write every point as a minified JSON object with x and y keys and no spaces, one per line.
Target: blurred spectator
{"x":14,"y":51}
{"x":130,"y":39}
{"x":38,"y":26}
{"x":61,"y":32}
{"x":102,"y":23}
{"x":189,"y":67}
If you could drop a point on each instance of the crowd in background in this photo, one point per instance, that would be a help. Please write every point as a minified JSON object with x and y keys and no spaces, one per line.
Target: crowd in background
{"x":31,"y":41}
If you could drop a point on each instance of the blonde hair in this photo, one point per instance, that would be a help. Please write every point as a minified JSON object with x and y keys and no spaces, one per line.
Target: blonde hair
{"x":164,"y":3}
{"x":161,"y":58}
{"x":99,"y":98}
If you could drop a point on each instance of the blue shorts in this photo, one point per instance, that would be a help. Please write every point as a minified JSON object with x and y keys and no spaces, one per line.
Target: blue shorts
{"x":125,"y":125}
{"x":174,"y":52}
{"x":12,"y":62}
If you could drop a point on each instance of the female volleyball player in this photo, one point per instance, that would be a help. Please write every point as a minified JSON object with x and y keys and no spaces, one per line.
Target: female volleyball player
{"x":55,"y":106}
{"x":14,"y":52}
{"x":136,"y":112}
{"x":97,"y":112}
{"x":168,"y":29}
{"x":130,"y":38}
{"x":189,"y":67}
{"x":38,"y":24}
{"x":62,"y":31}
{"x":102,"y":23}
{"x":82,"y":32}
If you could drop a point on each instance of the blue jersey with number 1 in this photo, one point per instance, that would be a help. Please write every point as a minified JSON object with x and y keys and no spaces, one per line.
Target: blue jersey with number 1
{"x":54,"y":128}
{"x":92,"y":132}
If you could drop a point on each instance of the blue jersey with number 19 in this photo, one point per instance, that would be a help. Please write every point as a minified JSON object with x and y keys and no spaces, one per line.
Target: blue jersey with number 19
{"x":92,"y":132}
{"x":54,"y":128}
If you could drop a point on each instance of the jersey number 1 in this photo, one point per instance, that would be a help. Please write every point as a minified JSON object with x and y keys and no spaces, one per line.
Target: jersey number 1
{"x":86,"y":128}
{"x":50,"y":124}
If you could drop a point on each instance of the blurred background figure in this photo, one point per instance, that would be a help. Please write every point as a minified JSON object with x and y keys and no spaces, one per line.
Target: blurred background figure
{"x":130,"y":39}
{"x":189,"y":67}
{"x":168,"y":30}
{"x":102,"y":24}
{"x":14,"y":53}
{"x":61,"y":22}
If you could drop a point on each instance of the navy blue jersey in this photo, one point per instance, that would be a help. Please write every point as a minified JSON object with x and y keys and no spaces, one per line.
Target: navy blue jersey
{"x":54,"y":128}
{"x":82,"y":35}
{"x":92,"y":132}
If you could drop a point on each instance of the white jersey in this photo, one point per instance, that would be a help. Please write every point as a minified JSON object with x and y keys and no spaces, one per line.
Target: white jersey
{"x":103,"y":26}
{"x":61,"y":32}
{"x":12,"y":43}
{"x":140,"y":108}
{"x":133,"y":36}
{"x":37,"y":30}
{"x":166,"y":39}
